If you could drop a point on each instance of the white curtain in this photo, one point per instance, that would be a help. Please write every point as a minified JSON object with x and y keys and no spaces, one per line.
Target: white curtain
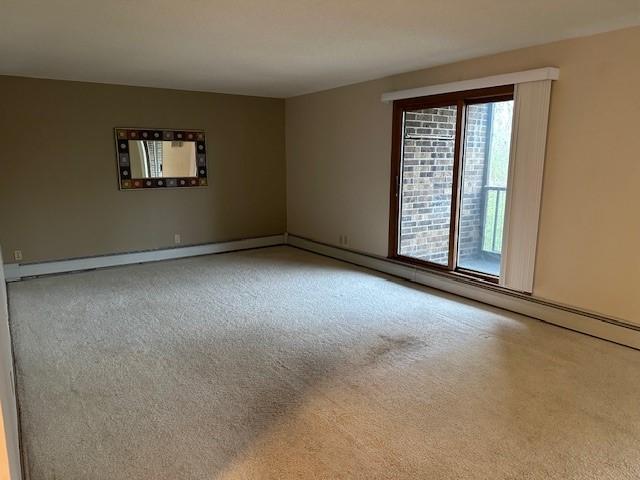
{"x":524,"y":186}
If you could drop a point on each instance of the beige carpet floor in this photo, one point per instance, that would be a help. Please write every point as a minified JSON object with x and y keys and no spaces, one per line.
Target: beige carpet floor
{"x":281,"y":364}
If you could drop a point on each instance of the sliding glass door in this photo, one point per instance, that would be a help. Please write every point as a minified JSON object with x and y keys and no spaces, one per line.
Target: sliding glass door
{"x":487,"y":140}
{"x":449,"y":180}
{"x":428,"y":153}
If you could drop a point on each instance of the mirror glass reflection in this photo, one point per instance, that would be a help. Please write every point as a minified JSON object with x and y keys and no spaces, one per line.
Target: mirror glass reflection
{"x":158,"y":159}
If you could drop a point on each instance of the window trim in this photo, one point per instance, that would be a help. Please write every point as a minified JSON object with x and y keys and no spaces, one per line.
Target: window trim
{"x":461,"y":99}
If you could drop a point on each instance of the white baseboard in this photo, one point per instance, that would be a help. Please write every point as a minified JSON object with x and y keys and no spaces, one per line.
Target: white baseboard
{"x":568,"y":317}
{"x":14,"y":271}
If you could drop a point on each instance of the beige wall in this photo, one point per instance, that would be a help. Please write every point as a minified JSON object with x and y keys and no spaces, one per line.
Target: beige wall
{"x":9,"y":454}
{"x":338,"y":158}
{"x":59,"y":193}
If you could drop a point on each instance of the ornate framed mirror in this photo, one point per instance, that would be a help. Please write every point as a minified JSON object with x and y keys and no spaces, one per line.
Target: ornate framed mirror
{"x":160,"y":158}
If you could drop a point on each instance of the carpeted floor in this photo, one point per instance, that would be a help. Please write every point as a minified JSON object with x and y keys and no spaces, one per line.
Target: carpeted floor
{"x":281,"y":364}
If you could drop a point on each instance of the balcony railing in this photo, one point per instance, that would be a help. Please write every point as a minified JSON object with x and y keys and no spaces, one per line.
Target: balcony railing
{"x":493,"y":222}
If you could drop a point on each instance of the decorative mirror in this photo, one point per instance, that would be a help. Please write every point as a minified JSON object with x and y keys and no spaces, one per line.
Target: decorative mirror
{"x":152,"y":158}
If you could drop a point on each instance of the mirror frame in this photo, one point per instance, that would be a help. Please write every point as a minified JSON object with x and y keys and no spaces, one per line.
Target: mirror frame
{"x":122,"y":137}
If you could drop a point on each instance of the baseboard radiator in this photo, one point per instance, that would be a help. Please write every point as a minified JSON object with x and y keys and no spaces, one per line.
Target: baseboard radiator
{"x":590,"y":323}
{"x":15,"y":272}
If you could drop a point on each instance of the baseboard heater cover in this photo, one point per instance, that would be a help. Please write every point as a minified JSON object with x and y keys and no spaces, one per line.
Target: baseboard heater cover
{"x":15,"y":271}
{"x":596,"y":325}
{"x":589,"y":323}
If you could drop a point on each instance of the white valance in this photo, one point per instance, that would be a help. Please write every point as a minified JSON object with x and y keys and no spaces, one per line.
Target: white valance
{"x":547,"y":73}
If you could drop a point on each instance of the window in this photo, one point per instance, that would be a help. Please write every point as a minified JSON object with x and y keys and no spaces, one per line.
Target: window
{"x":449,"y":180}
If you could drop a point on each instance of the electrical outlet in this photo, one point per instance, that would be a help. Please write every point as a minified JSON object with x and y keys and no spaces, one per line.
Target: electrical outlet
{"x":17,"y":255}
{"x":177,"y":239}
{"x":340,"y":240}
{"x":345,"y":239}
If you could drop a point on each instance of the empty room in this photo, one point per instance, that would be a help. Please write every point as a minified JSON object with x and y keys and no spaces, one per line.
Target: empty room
{"x":370,"y":240}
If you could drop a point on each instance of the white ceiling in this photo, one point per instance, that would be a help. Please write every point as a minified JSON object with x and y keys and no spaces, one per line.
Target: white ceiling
{"x":277,"y":48}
